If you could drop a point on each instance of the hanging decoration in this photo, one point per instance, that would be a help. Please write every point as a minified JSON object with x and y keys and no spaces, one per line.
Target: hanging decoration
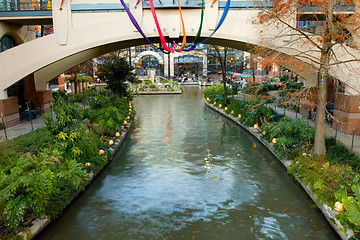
{"x":323,"y":77}
{"x":162,"y":38}
{"x":136,"y":25}
{"x":62,"y":1}
{"x":175,"y":47}
{"x":138,"y":1}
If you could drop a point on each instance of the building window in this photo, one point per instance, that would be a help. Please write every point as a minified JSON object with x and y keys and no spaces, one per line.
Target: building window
{"x":6,"y":42}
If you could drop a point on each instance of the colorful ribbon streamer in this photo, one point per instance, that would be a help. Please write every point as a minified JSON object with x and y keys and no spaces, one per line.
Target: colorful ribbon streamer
{"x":184,"y":33}
{"x":162,"y":38}
{"x":183,"y":47}
{"x":200,"y":26}
{"x":136,"y":25}
{"x":138,"y":1}
{"x":223,"y":16}
{"x":62,"y":1}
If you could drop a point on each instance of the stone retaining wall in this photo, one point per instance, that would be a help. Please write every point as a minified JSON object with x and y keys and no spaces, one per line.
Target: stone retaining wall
{"x":327,"y":211}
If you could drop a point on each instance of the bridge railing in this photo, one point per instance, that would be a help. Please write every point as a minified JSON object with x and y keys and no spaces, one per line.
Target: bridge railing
{"x":16,"y":5}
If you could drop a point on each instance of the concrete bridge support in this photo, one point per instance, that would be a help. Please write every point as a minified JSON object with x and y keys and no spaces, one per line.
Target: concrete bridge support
{"x":39,"y":98}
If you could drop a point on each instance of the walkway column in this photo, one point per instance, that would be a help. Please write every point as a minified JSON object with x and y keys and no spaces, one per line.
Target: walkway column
{"x":10,"y":109}
{"x":39,"y":98}
{"x":347,"y":113}
{"x":61,"y":82}
{"x":166,"y":65}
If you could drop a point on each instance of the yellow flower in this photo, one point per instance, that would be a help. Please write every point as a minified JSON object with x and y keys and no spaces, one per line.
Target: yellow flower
{"x":339,"y":207}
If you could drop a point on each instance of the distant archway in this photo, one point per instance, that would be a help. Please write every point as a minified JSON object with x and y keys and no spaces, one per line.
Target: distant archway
{"x":149,"y":59}
{"x":7,"y":42}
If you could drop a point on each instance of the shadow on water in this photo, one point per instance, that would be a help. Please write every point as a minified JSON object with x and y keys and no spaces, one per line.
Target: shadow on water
{"x":187,"y":173}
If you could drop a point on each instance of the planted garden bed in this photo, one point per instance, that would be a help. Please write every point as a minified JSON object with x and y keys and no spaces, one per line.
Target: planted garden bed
{"x":164,"y":87}
{"x":40,"y":174}
{"x":331,"y":180}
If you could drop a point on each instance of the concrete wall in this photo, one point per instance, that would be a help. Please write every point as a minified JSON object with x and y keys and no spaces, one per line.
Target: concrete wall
{"x":19,"y":33}
{"x":347,"y":113}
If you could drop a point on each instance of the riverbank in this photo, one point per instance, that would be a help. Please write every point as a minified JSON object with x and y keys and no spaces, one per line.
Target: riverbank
{"x":39,"y":224}
{"x":43,"y":171}
{"x":327,"y":211}
{"x":159,"y":92}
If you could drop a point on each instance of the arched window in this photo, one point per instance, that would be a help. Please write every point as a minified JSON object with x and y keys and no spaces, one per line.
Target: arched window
{"x":7,"y":42}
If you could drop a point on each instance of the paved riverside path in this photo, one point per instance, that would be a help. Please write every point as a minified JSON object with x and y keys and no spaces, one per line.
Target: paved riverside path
{"x":21,"y":129}
{"x":329,"y":131}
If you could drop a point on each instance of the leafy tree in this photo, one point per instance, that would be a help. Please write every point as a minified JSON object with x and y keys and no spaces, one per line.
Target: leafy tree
{"x":316,"y":50}
{"x":116,"y":71}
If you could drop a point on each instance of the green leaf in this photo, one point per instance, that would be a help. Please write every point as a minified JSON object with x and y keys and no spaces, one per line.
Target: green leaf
{"x":356,"y":189}
{"x":340,"y":194}
{"x":326,"y":165}
{"x":353,"y":212}
{"x":318,"y":184}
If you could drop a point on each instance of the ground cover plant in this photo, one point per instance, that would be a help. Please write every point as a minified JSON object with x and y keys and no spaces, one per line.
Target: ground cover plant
{"x":164,"y":85}
{"x":42,"y":171}
{"x":332,"y":177}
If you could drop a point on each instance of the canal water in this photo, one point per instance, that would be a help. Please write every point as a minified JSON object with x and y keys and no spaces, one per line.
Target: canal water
{"x":188,"y":173}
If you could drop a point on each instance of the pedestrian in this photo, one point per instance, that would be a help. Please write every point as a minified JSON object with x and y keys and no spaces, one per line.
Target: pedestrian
{"x":29,"y":110}
{"x":244,"y":85}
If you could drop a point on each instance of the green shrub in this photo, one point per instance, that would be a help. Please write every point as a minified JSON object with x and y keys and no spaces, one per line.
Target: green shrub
{"x":290,"y":134}
{"x":29,"y":143}
{"x":338,"y":153}
{"x":27,"y":184}
{"x":67,"y":115}
{"x":322,"y":177}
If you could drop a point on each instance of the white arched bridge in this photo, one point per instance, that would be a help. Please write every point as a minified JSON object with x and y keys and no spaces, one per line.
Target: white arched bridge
{"x":84,"y":29}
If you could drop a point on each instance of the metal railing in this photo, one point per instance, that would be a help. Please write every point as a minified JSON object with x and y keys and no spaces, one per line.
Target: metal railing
{"x":16,"y":5}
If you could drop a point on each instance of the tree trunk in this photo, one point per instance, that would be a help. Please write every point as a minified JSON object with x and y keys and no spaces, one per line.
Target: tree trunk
{"x":252,"y":66}
{"x":319,"y":141}
{"x":76,"y":83}
{"x":322,"y":79}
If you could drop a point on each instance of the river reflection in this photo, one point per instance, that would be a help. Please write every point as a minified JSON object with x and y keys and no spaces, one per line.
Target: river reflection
{"x":187,"y":173}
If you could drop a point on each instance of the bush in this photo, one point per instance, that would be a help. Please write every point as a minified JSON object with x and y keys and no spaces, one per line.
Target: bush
{"x":67,"y":115}
{"x":323,"y":178}
{"x":41,"y":171}
{"x":338,"y":153}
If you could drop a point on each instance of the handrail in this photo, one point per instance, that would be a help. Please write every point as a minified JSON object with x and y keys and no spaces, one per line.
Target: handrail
{"x":12,"y":6}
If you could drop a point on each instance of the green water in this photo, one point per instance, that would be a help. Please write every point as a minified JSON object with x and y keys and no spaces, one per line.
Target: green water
{"x":187,"y":173}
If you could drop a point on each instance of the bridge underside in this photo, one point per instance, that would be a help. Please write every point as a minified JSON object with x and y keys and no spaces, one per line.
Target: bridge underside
{"x":80,"y":36}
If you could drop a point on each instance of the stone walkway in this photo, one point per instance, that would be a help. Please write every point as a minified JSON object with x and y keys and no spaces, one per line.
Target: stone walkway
{"x":21,"y":129}
{"x":329,"y":131}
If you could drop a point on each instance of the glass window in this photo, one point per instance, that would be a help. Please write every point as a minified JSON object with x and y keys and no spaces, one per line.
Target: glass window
{"x":6,"y":42}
